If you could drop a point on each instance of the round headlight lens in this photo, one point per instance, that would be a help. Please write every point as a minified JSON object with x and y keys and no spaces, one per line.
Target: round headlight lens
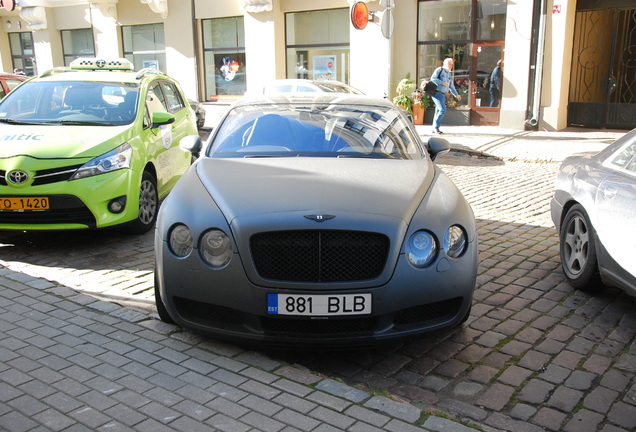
{"x":180,"y":241}
{"x":421,"y":249}
{"x":455,"y":243}
{"x":216,"y":248}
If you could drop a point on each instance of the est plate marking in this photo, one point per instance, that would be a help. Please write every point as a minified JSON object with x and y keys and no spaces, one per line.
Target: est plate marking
{"x":24,"y":203}
{"x":319,"y":305}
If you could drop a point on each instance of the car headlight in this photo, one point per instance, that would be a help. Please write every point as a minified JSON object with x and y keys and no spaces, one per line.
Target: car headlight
{"x":215,"y":248}
{"x":180,"y":241}
{"x":455,"y":243}
{"x":113,"y":160}
{"x":421,"y":249}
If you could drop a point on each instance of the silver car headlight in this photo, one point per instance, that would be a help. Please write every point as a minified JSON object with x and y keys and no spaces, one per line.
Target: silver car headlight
{"x":215,"y":248}
{"x":421,"y":249}
{"x":180,"y":241}
{"x":113,"y":160}
{"x":455,"y":241}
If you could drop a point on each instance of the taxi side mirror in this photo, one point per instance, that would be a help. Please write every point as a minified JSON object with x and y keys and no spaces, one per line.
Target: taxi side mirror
{"x":159,"y":118}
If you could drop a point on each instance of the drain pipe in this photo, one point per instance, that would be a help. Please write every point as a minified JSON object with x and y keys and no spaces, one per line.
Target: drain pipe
{"x":538,"y":73}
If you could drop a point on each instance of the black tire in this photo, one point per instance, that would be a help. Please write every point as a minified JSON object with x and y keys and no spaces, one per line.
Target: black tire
{"x":161,"y":307}
{"x":578,"y":250}
{"x":148,"y":205}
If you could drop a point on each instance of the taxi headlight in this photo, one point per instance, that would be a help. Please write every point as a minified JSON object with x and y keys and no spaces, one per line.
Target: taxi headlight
{"x":421,"y":249}
{"x":116,"y":159}
{"x":215,"y":248}
{"x":180,"y":241}
{"x":455,"y":241}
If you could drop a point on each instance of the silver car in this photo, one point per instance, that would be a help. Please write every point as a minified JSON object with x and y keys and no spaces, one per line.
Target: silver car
{"x":315,"y":220}
{"x":594,"y":211}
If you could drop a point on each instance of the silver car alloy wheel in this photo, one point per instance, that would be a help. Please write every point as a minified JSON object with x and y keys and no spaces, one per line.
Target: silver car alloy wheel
{"x":147,"y":201}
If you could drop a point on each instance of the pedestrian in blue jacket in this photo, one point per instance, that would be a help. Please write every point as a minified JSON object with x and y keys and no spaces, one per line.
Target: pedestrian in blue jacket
{"x":443,"y":77}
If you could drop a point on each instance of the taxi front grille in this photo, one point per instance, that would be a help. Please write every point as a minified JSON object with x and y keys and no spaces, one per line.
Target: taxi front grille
{"x":319,"y":256}
{"x":54,"y":175}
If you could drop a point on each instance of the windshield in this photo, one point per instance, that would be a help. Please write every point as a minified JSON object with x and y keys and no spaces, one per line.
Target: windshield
{"x":331,"y":131}
{"x":71,"y":102}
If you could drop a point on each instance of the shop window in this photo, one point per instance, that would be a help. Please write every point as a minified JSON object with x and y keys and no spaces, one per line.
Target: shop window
{"x":491,"y":20}
{"x":318,"y":44}
{"x":449,"y":28}
{"x":77,"y":43}
{"x":444,"y":20}
{"x":22,"y":53}
{"x":224,"y":58}
{"x":145,"y":45}
{"x":431,"y":56}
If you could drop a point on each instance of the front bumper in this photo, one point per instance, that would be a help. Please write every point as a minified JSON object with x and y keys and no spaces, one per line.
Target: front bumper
{"x":77,"y":204}
{"x":225,"y":304}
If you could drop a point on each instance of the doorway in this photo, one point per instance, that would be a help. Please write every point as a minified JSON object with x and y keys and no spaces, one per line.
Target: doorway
{"x":484,"y":58}
{"x":603,"y":76}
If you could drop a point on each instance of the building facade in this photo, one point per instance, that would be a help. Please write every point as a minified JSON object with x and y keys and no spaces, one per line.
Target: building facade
{"x":566,"y":62}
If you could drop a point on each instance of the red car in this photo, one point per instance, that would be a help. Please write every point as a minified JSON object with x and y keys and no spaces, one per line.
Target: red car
{"x":10,"y":81}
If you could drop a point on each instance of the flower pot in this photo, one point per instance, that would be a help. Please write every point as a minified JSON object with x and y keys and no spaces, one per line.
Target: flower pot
{"x":418,"y":114}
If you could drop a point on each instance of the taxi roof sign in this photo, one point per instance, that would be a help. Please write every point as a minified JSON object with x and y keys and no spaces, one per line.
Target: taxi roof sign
{"x":84,"y":63}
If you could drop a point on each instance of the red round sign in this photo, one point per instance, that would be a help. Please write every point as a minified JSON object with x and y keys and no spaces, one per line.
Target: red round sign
{"x":359,"y":15}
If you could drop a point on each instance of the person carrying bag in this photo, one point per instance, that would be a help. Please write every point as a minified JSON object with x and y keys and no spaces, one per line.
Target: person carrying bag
{"x":442,"y":77}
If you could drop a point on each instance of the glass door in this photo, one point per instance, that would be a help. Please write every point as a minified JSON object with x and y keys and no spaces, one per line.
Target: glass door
{"x":485,"y":96}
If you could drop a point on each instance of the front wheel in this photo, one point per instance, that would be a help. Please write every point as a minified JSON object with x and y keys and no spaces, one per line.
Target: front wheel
{"x":578,"y":249}
{"x":148,"y":205}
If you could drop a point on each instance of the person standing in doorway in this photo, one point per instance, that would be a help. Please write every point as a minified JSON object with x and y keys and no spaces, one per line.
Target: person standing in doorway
{"x":443,"y":77}
{"x":496,"y":79}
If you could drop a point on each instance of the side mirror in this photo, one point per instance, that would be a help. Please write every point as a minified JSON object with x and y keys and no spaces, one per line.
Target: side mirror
{"x":438,"y":146}
{"x":191,"y":144}
{"x":159,"y":118}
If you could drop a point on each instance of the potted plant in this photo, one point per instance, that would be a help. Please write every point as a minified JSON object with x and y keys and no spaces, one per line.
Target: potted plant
{"x":404,"y":91}
{"x":421,"y":101}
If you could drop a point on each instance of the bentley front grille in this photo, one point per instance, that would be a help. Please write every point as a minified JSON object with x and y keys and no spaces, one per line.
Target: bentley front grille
{"x":319,"y":256}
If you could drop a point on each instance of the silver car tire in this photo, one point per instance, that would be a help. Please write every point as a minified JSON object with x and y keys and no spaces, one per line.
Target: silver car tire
{"x":578,"y":249}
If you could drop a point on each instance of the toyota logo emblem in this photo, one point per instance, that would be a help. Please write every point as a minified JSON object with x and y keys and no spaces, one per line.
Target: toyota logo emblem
{"x":100,"y":63}
{"x":18,"y":177}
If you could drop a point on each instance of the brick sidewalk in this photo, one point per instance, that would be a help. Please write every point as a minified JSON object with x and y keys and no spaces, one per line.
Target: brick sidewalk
{"x":70,"y":363}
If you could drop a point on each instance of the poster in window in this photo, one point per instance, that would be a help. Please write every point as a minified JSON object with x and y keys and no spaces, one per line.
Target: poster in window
{"x":230,"y":74}
{"x":324,"y":67}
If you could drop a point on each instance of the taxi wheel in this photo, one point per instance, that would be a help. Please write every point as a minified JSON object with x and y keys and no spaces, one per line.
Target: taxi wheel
{"x":148,"y":205}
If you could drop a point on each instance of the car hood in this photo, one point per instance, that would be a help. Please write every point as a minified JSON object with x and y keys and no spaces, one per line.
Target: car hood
{"x":58,"y":142}
{"x":316,"y":186}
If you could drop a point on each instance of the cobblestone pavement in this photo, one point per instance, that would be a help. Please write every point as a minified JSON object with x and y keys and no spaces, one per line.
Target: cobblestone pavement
{"x":535,"y":354}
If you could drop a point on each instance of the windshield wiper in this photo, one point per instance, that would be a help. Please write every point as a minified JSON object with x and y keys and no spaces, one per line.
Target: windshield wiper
{"x":74,"y":123}
{"x":12,"y":121}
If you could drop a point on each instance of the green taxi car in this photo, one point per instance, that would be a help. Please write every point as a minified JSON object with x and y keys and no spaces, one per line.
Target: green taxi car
{"x":93,"y":145}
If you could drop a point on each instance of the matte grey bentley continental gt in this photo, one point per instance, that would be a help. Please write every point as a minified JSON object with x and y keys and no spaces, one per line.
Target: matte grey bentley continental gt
{"x":315,"y":220}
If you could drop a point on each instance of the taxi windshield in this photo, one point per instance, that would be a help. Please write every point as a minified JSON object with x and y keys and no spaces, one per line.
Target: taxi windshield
{"x":71,"y":103}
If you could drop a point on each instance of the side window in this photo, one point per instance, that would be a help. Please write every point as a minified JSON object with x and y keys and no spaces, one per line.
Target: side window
{"x":154,"y":102}
{"x":173,"y":100}
{"x":13,"y":83}
{"x":626,"y":159}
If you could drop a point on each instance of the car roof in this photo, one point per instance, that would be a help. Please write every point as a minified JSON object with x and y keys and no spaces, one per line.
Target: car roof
{"x":12,"y":75}
{"x":313,"y":99}
{"x":93,"y":69}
